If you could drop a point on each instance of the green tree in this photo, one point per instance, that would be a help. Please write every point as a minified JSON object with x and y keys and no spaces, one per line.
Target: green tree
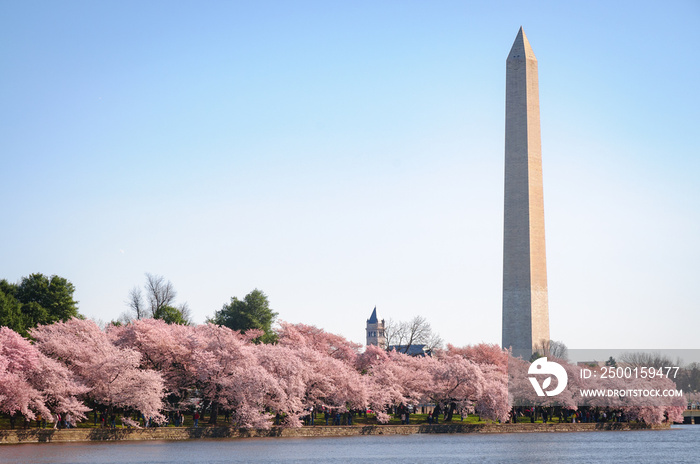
{"x":54,"y":294}
{"x":8,"y":288}
{"x":11,"y":312}
{"x":39,"y":300}
{"x":253,"y":312}
{"x":171,"y":315}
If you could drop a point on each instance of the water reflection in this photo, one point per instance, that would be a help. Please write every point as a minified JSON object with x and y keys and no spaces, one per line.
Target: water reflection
{"x":672,"y":446}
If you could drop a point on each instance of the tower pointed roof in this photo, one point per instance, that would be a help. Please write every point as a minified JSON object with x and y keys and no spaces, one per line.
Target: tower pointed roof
{"x":373,"y":318}
{"x":521,"y":48}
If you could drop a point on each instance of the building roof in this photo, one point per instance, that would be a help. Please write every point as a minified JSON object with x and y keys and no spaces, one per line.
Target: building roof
{"x":373,"y":318}
{"x":413,"y":350}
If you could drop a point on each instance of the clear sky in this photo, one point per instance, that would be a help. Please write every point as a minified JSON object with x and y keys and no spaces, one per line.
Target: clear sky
{"x":344,"y":154}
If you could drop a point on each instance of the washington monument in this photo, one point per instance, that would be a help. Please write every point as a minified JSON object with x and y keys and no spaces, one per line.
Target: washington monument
{"x":525,"y":306}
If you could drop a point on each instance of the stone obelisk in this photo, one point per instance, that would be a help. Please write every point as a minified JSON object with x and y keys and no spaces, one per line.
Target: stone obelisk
{"x":525,"y":306}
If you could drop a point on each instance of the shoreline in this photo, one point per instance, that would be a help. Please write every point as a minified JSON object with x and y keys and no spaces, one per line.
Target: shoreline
{"x":12,"y":437}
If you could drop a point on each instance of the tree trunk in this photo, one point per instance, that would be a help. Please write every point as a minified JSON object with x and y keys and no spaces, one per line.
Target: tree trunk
{"x":449,"y":412}
{"x":214,"y":412}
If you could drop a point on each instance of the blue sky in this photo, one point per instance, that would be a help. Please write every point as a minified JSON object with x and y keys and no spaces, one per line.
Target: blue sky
{"x":342,"y":155}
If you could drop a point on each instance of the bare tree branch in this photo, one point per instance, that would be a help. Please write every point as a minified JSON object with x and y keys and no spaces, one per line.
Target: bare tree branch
{"x":641,"y":358}
{"x":402,"y":335}
{"x":135,"y":303}
{"x":184,"y":308}
{"x":159,"y":292}
{"x":551,"y":349}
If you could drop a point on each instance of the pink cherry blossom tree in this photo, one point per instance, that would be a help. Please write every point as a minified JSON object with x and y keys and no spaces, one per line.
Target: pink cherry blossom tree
{"x":628,"y":395}
{"x":230,"y":376}
{"x":288,"y":395}
{"x":492,"y":400}
{"x":165,"y":348}
{"x":483,"y":353}
{"x":522,"y":393}
{"x":31,"y":383}
{"x":331,"y":382}
{"x":308,"y":378}
{"x":113,"y":374}
{"x":457,"y":382}
{"x":393,"y":379}
{"x":335,"y":346}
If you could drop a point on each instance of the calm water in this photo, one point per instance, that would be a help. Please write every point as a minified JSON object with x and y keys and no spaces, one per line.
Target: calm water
{"x":679,"y":445}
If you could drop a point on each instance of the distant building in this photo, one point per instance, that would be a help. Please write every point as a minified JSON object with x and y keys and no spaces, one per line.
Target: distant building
{"x":413,"y":350}
{"x":376,"y":336}
{"x":375,"y":330}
